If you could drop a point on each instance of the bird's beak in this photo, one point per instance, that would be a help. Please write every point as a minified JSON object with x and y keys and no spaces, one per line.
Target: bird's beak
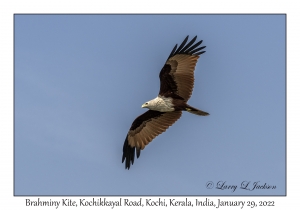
{"x":143,"y":106}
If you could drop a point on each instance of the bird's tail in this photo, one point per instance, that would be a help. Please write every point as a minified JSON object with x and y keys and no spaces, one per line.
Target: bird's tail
{"x":195,"y":111}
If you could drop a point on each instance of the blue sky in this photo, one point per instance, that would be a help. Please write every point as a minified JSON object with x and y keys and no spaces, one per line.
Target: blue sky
{"x":80,"y":81}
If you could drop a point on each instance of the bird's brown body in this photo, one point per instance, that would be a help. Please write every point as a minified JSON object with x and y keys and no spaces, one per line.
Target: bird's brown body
{"x":176,"y":86}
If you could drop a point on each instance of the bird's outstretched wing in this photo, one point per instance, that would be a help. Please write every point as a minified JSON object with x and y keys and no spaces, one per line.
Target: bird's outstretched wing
{"x":177,"y":75}
{"x":143,"y":130}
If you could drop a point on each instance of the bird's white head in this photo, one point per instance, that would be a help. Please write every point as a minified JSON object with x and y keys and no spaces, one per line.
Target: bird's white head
{"x":150,"y":104}
{"x":146,"y":105}
{"x":159,"y":104}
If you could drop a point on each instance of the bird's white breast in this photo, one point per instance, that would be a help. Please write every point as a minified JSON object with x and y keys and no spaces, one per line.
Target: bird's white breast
{"x":162,"y":104}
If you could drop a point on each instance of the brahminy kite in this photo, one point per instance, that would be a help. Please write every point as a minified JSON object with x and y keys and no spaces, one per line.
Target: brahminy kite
{"x":176,"y":86}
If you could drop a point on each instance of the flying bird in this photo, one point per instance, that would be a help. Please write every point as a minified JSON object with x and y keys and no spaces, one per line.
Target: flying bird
{"x":176,"y":86}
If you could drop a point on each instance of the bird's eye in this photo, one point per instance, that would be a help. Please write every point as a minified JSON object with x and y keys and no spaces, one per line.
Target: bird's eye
{"x":147,"y":103}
